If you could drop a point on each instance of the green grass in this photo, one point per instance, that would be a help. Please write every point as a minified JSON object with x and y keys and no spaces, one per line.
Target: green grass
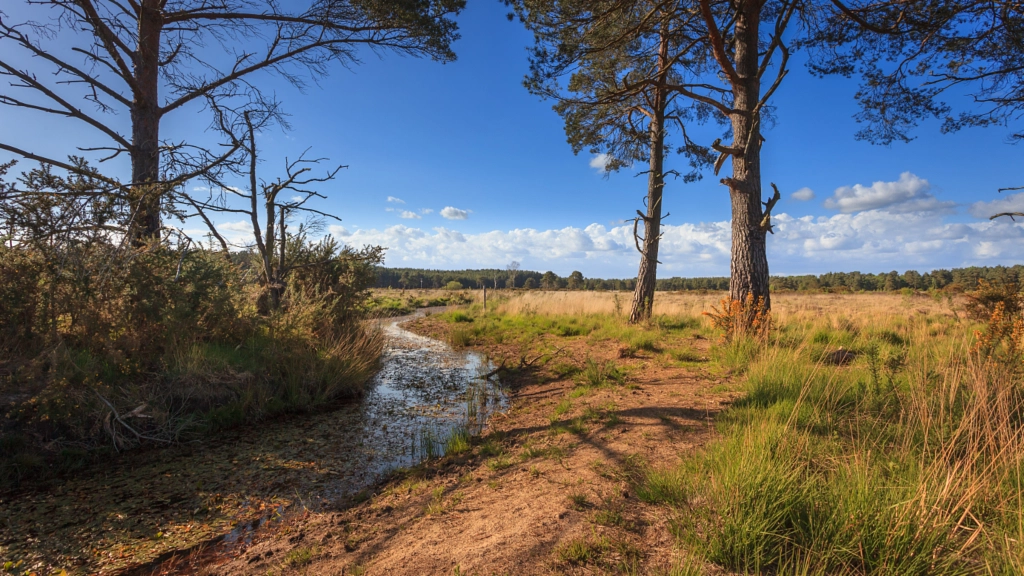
{"x":458,"y":441}
{"x":460,"y":337}
{"x":561,"y":409}
{"x":299,"y":557}
{"x":907,"y":461}
{"x":579,"y":501}
{"x":598,"y":374}
{"x":436,"y":504}
{"x":459,"y":316}
{"x":687,"y":354}
{"x":499,"y":463}
{"x":608,"y":517}
{"x":582,"y":551}
{"x":491,"y":448}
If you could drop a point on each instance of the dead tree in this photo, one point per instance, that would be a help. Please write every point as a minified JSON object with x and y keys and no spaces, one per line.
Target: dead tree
{"x":149,"y":60}
{"x":264,"y":199}
{"x":513,"y":270}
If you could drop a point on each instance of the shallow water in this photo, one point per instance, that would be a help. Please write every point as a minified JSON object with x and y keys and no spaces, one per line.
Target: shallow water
{"x":154,"y":503}
{"x":424,"y":392}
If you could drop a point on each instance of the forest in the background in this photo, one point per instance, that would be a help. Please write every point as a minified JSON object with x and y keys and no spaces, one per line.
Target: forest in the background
{"x":953,"y":280}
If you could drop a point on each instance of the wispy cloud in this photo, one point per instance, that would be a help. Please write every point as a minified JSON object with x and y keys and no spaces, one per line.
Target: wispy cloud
{"x":600,"y":162}
{"x":394,"y":200}
{"x":804,"y":194}
{"x":910,"y":193}
{"x":426,"y":211}
{"x":1010,"y":203}
{"x":409,"y":215}
{"x":453,"y":213}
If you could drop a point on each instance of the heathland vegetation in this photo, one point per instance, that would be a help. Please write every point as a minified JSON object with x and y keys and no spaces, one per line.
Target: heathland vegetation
{"x":844,"y":434}
{"x":750,"y":424}
{"x":874,"y":434}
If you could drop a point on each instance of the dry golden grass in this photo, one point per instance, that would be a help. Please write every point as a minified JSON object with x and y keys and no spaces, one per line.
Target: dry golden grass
{"x":786,"y":307}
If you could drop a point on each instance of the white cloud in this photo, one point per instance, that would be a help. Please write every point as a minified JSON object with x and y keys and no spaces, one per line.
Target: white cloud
{"x":1010,"y":203}
{"x":394,"y":200}
{"x":804,"y":194}
{"x":426,"y":210}
{"x":908,"y":194}
{"x":200,"y":189}
{"x":600,"y":162}
{"x":453,"y":213}
{"x":409,"y":215}
{"x":237,"y":233}
{"x":571,"y":247}
{"x":873,"y":241}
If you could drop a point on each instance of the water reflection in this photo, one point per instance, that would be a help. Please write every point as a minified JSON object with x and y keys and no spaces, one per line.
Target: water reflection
{"x":429,"y":392}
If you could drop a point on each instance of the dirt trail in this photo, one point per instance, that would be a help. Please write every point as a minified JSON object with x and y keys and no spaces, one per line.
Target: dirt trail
{"x":544,"y":491}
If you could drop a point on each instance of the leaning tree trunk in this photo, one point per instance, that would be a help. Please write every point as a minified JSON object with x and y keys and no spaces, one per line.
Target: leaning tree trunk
{"x":145,"y":153}
{"x":748,"y":269}
{"x":646,"y":279}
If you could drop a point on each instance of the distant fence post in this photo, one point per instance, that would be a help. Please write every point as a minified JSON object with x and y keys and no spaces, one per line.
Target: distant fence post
{"x":485,"y":298}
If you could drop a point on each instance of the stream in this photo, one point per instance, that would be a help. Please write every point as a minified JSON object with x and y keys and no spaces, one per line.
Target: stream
{"x":139,"y":512}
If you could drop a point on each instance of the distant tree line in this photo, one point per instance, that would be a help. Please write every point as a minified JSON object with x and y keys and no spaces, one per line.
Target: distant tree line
{"x":955,"y":279}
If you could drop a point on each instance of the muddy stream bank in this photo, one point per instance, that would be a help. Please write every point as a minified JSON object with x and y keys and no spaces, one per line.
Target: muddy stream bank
{"x":130,"y":512}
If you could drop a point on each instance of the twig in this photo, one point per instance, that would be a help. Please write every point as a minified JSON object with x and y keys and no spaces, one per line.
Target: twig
{"x":125,"y":424}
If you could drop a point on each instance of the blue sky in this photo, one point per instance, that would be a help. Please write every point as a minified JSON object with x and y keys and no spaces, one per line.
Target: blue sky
{"x":468,"y":137}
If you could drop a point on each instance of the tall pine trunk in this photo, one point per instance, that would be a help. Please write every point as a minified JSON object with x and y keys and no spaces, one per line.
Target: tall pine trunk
{"x":145,"y":153}
{"x":646,"y":279}
{"x":748,"y":269}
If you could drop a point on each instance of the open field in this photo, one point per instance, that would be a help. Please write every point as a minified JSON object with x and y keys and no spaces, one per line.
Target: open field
{"x":865,"y":434}
{"x":386,"y":302}
{"x":785,"y":305}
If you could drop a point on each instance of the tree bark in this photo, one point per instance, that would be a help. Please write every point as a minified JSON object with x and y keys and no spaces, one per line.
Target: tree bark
{"x":646,"y":279}
{"x":643,"y":295}
{"x":145,"y":153}
{"x":748,"y":269}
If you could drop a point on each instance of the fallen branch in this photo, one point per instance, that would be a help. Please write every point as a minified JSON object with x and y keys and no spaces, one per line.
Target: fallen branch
{"x":523,"y":363}
{"x":495,"y":371}
{"x":117,"y":417}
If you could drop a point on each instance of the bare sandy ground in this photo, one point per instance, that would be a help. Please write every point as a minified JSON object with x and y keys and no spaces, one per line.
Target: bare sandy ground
{"x":556,"y":500}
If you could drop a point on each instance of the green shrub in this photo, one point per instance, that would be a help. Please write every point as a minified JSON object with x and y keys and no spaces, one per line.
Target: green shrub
{"x":181,"y":334}
{"x":460,"y":316}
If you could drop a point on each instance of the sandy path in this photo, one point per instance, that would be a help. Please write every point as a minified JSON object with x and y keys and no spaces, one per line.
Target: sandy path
{"x":556,"y":500}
